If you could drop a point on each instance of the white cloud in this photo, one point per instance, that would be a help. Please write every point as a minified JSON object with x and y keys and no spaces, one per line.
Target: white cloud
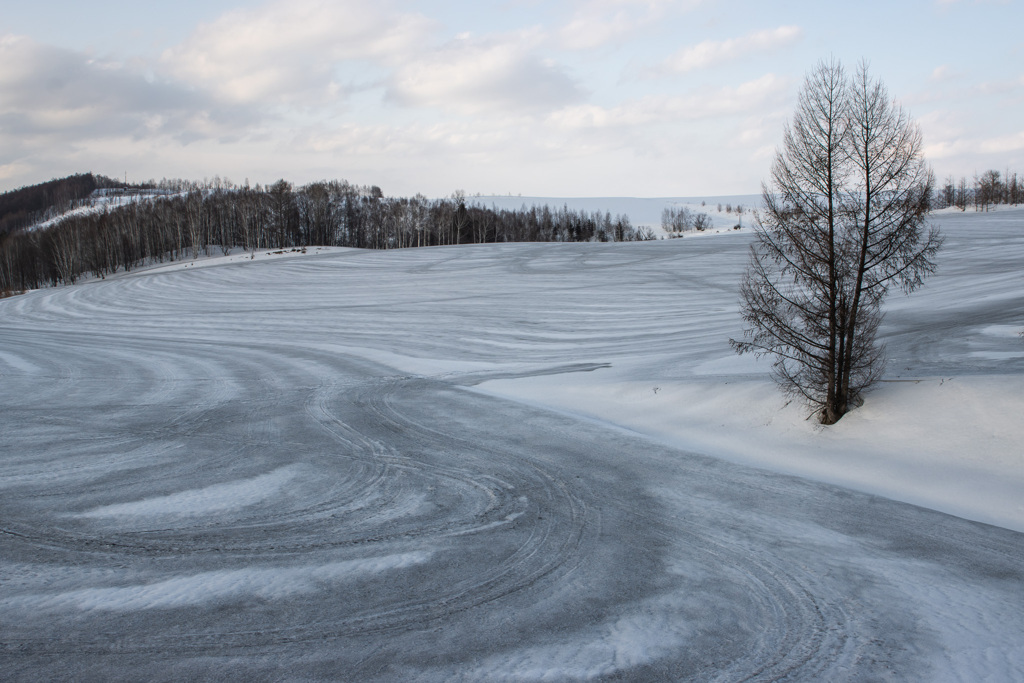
{"x":957,"y":144}
{"x":63,"y":95}
{"x":1001,"y":87}
{"x":1003,"y":143}
{"x":703,"y":104}
{"x":712,"y":53}
{"x":499,"y":73}
{"x":291,"y":52}
{"x":945,"y":148}
{"x":478,"y":97}
{"x":288,"y":49}
{"x":943,"y":73}
{"x":410,"y":141}
{"x":760,"y":131}
{"x":599,"y":22}
{"x":588,"y":30}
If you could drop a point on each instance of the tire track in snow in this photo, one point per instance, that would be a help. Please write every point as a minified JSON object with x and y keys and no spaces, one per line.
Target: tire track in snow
{"x":510,"y":543}
{"x":803,"y":635}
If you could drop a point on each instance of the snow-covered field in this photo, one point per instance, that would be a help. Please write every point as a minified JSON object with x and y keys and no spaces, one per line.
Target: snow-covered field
{"x":504,"y":462}
{"x":944,"y":430}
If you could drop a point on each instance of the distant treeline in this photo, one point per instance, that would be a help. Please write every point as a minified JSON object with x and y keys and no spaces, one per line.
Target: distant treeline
{"x":120,"y":227}
{"x":172,"y":220}
{"x":983,"y":192}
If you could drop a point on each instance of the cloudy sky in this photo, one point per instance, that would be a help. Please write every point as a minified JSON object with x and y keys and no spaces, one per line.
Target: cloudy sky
{"x":554,"y":97}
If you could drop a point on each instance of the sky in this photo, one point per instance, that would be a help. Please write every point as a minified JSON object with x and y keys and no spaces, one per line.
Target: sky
{"x":639,"y":98}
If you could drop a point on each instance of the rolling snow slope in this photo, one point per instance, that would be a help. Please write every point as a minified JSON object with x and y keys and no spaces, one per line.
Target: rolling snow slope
{"x":503,"y":462}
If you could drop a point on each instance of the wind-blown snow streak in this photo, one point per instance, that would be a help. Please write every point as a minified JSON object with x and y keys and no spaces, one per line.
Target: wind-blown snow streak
{"x":205,"y":500}
{"x":302,"y":468}
{"x":207,"y":587}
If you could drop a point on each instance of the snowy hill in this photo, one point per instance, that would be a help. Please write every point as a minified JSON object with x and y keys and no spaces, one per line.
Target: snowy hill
{"x":942,"y":430}
{"x":533,"y":461}
{"x":104,"y":200}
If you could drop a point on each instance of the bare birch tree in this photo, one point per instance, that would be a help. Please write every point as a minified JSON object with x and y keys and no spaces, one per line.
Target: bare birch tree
{"x":844,"y":220}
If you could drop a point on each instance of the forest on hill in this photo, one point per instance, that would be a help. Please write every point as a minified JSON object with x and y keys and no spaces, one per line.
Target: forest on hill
{"x":126,"y":226}
{"x":88,"y":225}
{"x":29,"y":205}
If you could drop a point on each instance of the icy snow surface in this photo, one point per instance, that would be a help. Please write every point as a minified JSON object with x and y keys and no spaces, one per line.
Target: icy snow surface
{"x":504,"y":462}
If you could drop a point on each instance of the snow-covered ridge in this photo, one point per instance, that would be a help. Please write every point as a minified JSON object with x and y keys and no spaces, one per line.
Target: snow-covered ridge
{"x":104,"y":200}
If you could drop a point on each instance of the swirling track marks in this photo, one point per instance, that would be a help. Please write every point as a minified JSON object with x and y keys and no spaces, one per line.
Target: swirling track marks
{"x":544,"y":546}
{"x":806,"y":638}
{"x":546,"y":549}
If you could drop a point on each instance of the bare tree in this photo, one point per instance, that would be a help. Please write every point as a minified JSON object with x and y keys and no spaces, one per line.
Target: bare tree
{"x":193,"y":216}
{"x":675,"y":220}
{"x":65,"y":250}
{"x":988,"y":190}
{"x":318,"y":213}
{"x":844,"y":220}
{"x":284,"y":213}
{"x":962,"y":194}
{"x":948,"y":196}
